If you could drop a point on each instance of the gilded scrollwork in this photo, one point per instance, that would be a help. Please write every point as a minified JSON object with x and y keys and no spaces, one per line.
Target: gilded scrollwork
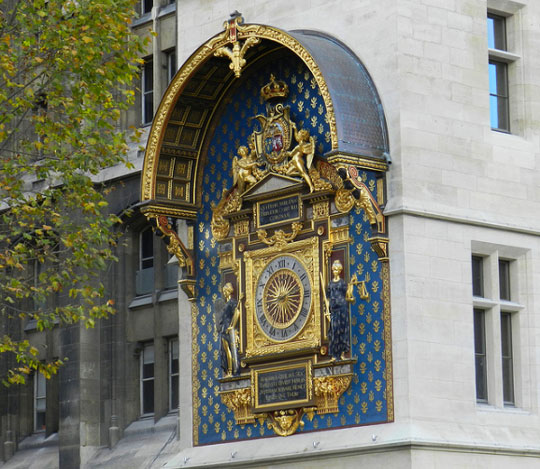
{"x":344,"y":200}
{"x":219,"y":225}
{"x":321,"y":210}
{"x":241,"y":228}
{"x":230,"y":202}
{"x":280,"y":238}
{"x":319,"y":183}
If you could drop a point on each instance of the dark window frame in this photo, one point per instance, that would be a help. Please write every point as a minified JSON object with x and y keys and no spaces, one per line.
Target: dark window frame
{"x":174,"y":374}
{"x":478,"y":276}
{"x":480,"y":355}
{"x":505,"y":287}
{"x":147,"y":379}
{"x":170,"y":58}
{"x":40,"y":414}
{"x":147,"y":91}
{"x":499,"y":99}
{"x":146,"y":6}
{"x":507,"y":356}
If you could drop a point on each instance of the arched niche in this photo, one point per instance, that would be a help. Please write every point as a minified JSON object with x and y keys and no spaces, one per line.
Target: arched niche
{"x":186,"y":118}
{"x":209,"y":111}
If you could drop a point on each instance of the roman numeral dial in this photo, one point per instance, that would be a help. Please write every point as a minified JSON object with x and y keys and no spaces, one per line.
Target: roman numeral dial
{"x":283,"y":298}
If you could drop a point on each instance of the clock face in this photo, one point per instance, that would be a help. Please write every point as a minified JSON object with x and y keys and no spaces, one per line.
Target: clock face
{"x":283,"y":298}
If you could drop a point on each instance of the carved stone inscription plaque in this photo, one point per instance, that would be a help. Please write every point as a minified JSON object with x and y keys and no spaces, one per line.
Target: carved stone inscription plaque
{"x":279,"y":210}
{"x":276,"y":387}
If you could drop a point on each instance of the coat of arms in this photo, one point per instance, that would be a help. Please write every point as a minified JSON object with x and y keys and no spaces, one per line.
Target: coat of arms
{"x":269,"y":152}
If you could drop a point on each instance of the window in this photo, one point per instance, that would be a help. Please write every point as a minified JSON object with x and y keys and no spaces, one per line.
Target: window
{"x":147,"y":379}
{"x":40,"y":401}
{"x":146,"y":245}
{"x":147,"y":91}
{"x":504,"y":280}
{"x":480,"y":355}
{"x":498,"y":96}
{"x":171,"y":64}
{"x":478,"y":276}
{"x":498,"y":74}
{"x":507,"y":359}
{"x":146,"y":6}
{"x":495,"y":314}
{"x":173,"y":374}
{"x":144,"y":282}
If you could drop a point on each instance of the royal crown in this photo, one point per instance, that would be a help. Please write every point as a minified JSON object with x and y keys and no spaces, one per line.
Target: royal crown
{"x":274,"y":89}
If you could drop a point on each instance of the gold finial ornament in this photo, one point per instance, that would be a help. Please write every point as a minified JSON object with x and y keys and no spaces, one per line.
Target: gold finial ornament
{"x":236,"y":54}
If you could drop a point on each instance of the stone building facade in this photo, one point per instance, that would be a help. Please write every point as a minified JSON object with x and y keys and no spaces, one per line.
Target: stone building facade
{"x":456,"y":84}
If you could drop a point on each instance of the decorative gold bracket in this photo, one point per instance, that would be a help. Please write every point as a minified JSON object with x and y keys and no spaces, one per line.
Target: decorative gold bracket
{"x":174,"y":245}
{"x":328,"y":390}
{"x":380,"y":246}
{"x":189,"y":288}
{"x":239,"y":401}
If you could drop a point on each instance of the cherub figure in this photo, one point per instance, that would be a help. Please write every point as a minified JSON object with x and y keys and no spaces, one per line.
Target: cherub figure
{"x":305,"y":147}
{"x":243,"y":169}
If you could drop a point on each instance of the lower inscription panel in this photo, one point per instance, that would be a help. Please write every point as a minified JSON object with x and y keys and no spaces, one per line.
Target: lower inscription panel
{"x":286,"y":385}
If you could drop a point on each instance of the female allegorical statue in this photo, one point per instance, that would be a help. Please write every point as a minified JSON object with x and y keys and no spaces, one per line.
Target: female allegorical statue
{"x":338,"y":295}
{"x":228,"y":334}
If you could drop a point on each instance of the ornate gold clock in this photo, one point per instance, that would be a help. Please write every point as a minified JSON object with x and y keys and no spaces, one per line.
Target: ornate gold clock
{"x":279,"y":230}
{"x":282,"y":305}
{"x":283,"y":298}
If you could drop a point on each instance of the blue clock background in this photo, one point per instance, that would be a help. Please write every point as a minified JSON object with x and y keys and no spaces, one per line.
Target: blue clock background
{"x":368,"y":400}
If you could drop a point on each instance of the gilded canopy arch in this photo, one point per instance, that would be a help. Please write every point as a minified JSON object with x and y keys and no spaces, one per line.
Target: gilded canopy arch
{"x":172,"y":162}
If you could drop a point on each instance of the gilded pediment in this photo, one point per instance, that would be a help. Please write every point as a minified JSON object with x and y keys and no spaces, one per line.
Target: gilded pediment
{"x":272,"y":183}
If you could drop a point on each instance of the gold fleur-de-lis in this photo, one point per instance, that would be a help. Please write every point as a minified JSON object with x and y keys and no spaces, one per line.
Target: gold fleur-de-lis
{"x":236,"y":55}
